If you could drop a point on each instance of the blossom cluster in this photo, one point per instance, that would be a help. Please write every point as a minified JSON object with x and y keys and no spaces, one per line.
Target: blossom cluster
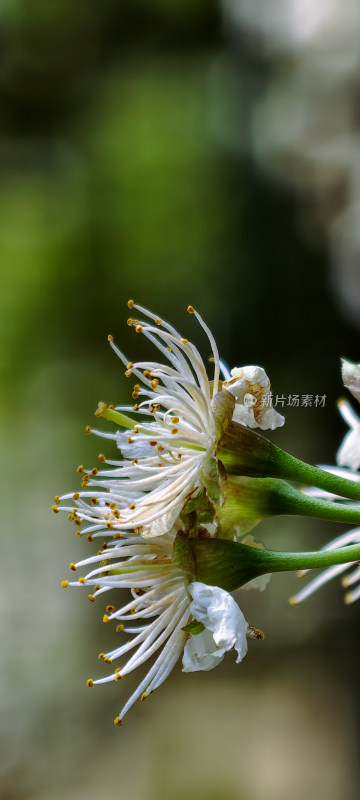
{"x":165,"y":499}
{"x":138,"y":502}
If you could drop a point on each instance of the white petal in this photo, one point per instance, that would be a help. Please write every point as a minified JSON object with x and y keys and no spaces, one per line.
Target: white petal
{"x":348,"y":454}
{"x":222,"y":617}
{"x":251,"y":388}
{"x":351,"y":377}
{"x":162,"y":524}
{"x":269,"y":419}
{"x":201,"y":653}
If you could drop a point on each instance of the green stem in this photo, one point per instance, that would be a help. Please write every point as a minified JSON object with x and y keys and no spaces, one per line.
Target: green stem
{"x":230,"y":564}
{"x":244,"y":452}
{"x":257,"y":498}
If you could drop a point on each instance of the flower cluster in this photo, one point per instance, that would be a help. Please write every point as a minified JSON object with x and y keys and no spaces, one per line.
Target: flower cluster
{"x":140,"y":502}
{"x":191,"y":478}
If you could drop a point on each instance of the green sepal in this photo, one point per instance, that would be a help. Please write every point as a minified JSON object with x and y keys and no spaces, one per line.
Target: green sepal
{"x":214,"y":480}
{"x":230,"y":565}
{"x":194,"y":627}
{"x":203,"y":507}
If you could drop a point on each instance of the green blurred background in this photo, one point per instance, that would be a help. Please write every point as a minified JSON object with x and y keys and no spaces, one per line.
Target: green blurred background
{"x":176,"y":152}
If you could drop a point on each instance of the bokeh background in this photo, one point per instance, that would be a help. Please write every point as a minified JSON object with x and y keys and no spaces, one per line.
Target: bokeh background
{"x":174,"y":151}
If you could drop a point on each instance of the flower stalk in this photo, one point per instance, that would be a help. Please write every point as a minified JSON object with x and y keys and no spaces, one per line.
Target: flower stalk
{"x":244,"y":452}
{"x":230,"y":565}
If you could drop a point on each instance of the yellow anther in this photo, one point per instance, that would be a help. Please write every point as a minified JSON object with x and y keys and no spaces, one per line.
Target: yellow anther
{"x":184,"y":341}
{"x":101,"y":409}
{"x":84,"y":483}
{"x":78,"y":522}
{"x":102,"y":458}
{"x":111,"y":405}
{"x":143,"y":696}
{"x":147,"y":374}
{"x":158,"y":321}
{"x":151,"y":409}
{"x":101,"y":656}
{"x":75,"y":496}
{"x":154,"y":383}
{"x":130,"y":321}
{"x":73,"y":567}
{"x":117,"y":535}
{"x":110,"y":338}
{"x":174,"y":430}
{"x":130,"y":303}
{"x":138,"y":329}
{"x":91,"y":598}
{"x":191,"y":309}
{"x":134,"y":461}
{"x":107,"y":660}
{"x":117,"y":513}
{"x":94,"y":501}
{"x":104,"y":545}
{"x":71,"y":517}
{"x":158,"y":406}
{"x":211,"y":359}
{"x":94,"y":471}
{"x":118,"y":676}
{"x":64,"y":584}
{"x":88,"y":429}
{"x":80,"y":468}
{"x":161,"y":448}
{"x":57,"y":499}
{"x":106,"y":618}
{"x":174,"y":420}
{"x":128,"y":373}
{"x":135,"y":430}
{"x":55,"y":509}
{"x":293,"y":601}
{"x":118,"y":721}
{"x":152,"y":443}
{"x":135,"y":395}
{"x":82,"y":580}
{"x":120,"y":628}
{"x":89,"y":683}
{"x":110,"y":609}
{"x":130,"y":439}
{"x":79,"y":534}
{"x":169,"y":349}
{"x":109,"y":526}
{"x":137,"y":387}
{"x":130,"y":365}
{"x":132,"y":506}
{"x":137,"y":530}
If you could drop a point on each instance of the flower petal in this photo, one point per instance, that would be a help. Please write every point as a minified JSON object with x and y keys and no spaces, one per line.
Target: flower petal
{"x":225,"y":625}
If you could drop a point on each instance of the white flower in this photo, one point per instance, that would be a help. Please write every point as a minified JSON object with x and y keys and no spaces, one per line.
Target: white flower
{"x":163,"y":602}
{"x":252,"y":391}
{"x":166,"y":454}
{"x":326,"y":575}
{"x":225,"y":628}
